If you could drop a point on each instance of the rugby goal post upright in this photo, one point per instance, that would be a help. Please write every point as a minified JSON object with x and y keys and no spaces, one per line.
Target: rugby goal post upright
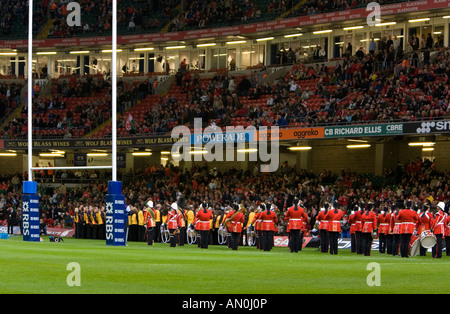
{"x":115,"y":201}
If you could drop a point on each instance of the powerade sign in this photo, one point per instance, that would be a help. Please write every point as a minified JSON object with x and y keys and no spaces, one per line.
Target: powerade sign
{"x":364,"y":130}
{"x":223,"y":137}
{"x":115,"y":219}
{"x":30,"y":218}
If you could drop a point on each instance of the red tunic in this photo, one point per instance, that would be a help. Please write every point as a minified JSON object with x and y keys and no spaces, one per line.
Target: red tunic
{"x":323,"y":223}
{"x":447,"y":226}
{"x":395,"y":224}
{"x":358,"y":221}
{"x":235,"y":225}
{"x":202,"y":219}
{"x":368,"y":221}
{"x":268,"y":221}
{"x":173,"y":219}
{"x":383,"y":223}
{"x":408,"y":219}
{"x":256,"y":220}
{"x":334,"y":218}
{"x":437,"y":224}
{"x":295,"y":218}
{"x":424,"y":222}
{"x":352,"y":223}
{"x":150,"y":222}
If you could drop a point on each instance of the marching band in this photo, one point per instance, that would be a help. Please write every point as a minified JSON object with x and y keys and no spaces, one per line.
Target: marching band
{"x":404,"y":228}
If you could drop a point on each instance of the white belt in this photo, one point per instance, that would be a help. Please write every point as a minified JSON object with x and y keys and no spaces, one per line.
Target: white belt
{"x":408,"y":222}
{"x":267,"y":220}
{"x":294,"y":219}
{"x":203,"y":221}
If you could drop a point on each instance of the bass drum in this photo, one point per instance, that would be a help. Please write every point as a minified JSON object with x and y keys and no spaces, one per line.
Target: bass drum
{"x":414,"y":245}
{"x":427,"y":239}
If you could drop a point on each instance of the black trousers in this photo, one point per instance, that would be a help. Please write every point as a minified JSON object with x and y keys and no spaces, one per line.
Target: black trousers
{"x":323,"y":235}
{"x":234,"y":240}
{"x":366,"y":242}
{"x":359,"y":242}
{"x":395,"y":244}
{"x":204,"y":239}
{"x":295,"y":243}
{"x":259,"y":240}
{"x":157,"y":233}
{"x":182,"y":236}
{"x":141,"y":233}
{"x":382,"y":243}
{"x":301,"y":241}
{"x":173,"y":235}
{"x":102,"y":232}
{"x":422,"y":251}
{"x":353,"y":243}
{"x":333,"y":239}
{"x":404,"y":244}
{"x":447,"y":245}
{"x":389,"y":243}
{"x":150,"y":235}
{"x":94,"y":231}
{"x":267,"y":240}
{"x":437,"y":249}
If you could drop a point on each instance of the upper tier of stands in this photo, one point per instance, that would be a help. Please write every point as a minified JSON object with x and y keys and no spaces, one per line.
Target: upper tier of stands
{"x":145,"y":16}
{"x":355,"y":89}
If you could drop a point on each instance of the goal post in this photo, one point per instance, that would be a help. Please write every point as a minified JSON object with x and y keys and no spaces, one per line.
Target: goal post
{"x":115,"y":201}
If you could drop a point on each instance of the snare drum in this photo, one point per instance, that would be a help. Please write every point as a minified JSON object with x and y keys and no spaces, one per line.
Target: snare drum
{"x":414,"y":245}
{"x":427,"y":239}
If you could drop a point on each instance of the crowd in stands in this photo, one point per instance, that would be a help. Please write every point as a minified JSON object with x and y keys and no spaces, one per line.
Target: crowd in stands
{"x":9,"y":99}
{"x":364,"y":87}
{"x":153,"y":16}
{"x":385,"y":84}
{"x":416,"y":180}
{"x":76,"y":107}
{"x":96,"y":17}
{"x":209,"y":13}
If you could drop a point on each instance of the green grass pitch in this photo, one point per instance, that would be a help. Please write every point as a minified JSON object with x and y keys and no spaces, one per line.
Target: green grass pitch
{"x":27,"y":268}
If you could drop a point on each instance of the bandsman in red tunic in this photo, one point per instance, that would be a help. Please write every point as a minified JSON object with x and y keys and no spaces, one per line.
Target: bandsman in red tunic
{"x":173,"y":221}
{"x":389,"y":236}
{"x":334,"y":217}
{"x":383,"y":228}
{"x":323,"y":227}
{"x":438,"y":228}
{"x":352,"y":223}
{"x":424,"y":224}
{"x":358,"y":235}
{"x":295,"y":216}
{"x":395,"y":227}
{"x":268,"y":223}
{"x":368,"y":226}
{"x":202,"y":220}
{"x":233,"y":221}
{"x":408,"y":219}
{"x":447,"y":234}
